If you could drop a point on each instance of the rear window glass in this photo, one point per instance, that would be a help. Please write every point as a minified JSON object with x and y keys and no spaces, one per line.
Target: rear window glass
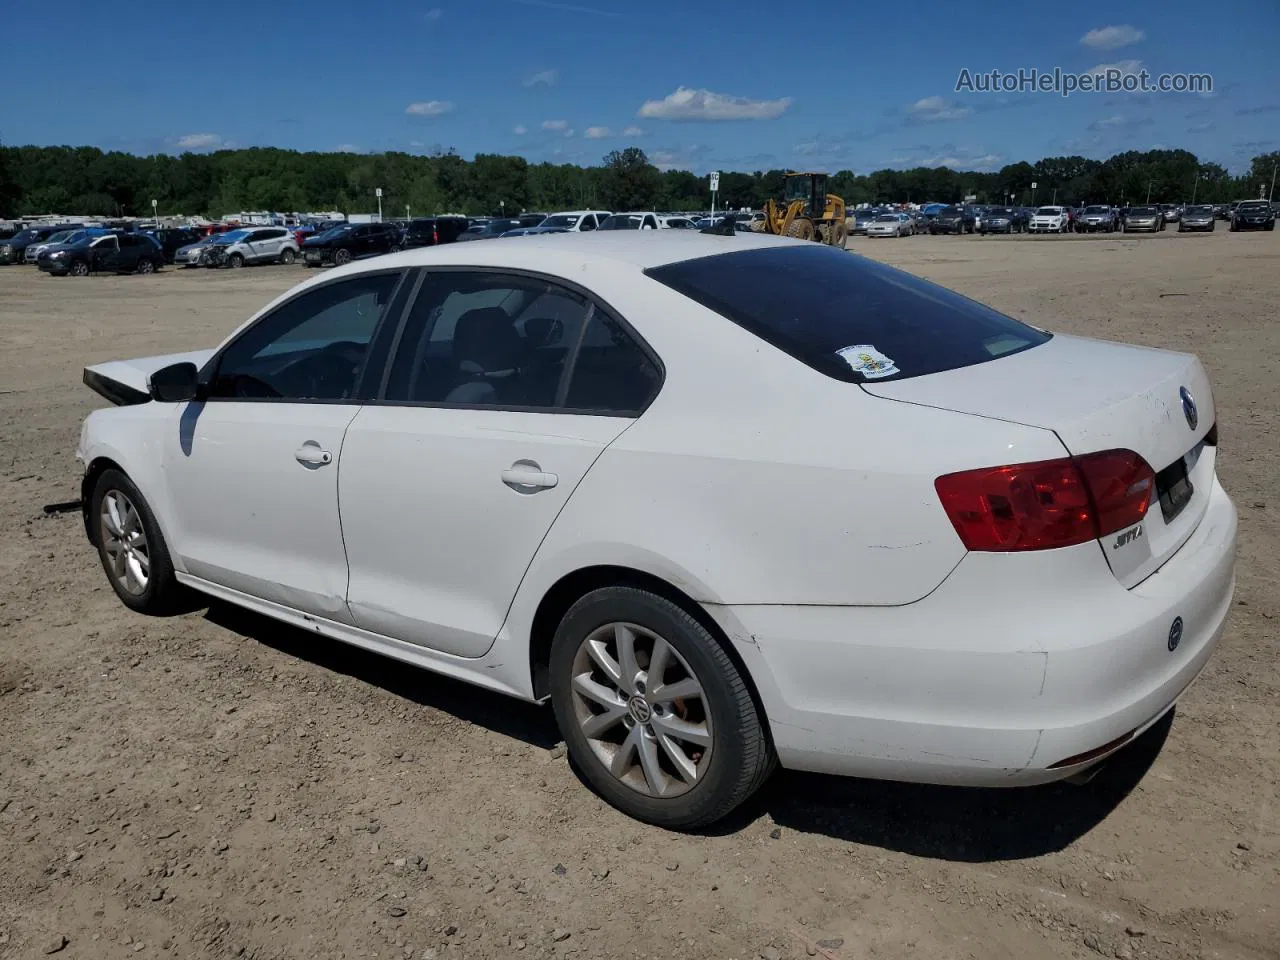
{"x":814,"y":302}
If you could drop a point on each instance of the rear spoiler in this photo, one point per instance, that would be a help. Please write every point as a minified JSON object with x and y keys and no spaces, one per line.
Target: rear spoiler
{"x":126,"y":382}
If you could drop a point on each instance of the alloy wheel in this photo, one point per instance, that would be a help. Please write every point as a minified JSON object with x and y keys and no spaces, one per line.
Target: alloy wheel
{"x":642,"y":710}
{"x":125,"y":542}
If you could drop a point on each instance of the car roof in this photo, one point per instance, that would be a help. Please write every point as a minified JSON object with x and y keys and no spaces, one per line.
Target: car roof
{"x":565,"y":254}
{"x":579,"y":213}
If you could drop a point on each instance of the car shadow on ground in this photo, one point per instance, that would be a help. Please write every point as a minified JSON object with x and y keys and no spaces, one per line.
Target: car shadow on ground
{"x":513,"y":718}
{"x":955,"y":823}
{"x":940,"y":823}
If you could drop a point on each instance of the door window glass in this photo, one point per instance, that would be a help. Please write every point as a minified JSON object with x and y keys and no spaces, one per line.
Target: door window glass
{"x":486,"y":339}
{"x":611,"y":372}
{"x":310,"y":348}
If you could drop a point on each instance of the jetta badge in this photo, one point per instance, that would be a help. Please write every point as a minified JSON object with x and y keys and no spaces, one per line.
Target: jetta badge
{"x":1189,"y":408}
{"x":1175,"y":634}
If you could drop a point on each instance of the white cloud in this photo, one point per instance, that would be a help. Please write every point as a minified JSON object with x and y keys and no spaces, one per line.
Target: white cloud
{"x":1124,"y":66}
{"x":432,"y":15}
{"x":199,"y":141}
{"x":633,"y":132}
{"x":949,"y":155}
{"x":557,"y":125}
{"x":1119,"y":122}
{"x":543,"y":78}
{"x":596,"y":133}
{"x":690,"y":104}
{"x":347,"y":148}
{"x":1112,"y":38}
{"x":520,"y":130}
{"x":429,"y":108}
{"x":931,"y":109}
{"x":677,"y":158}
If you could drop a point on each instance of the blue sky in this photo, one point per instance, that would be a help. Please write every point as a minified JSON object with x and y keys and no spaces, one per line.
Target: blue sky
{"x":748,"y":84}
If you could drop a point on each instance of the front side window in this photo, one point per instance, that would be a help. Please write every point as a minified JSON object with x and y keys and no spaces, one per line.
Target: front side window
{"x":311,"y":348}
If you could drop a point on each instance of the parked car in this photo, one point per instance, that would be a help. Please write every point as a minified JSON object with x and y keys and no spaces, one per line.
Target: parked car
{"x":685,"y":223}
{"x":14,"y":249}
{"x":891,"y":225}
{"x":431,"y":231}
{"x":1000,"y":220}
{"x":490,"y":228}
{"x":173,"y":239}
{"x":67,"y":238}
{"x":630,"y":221}
{"x":576,"y":221}
{"x":1222,"y":211}
{"x":111,"y":253}
{"x":350,"y":241}
{"x":1098,"y":218}
{"x":1253,"y":215}
{"x":191,"y":254}
{"x":1170,"y":212}
{"x":952,"y":220}
{"x":1049,"y":220}
{"x":1143,"y":218}
{"x":253,"y":245}
{"x":1199,"y":217}
{"x":474,"y":418}
{"x":862,"y":219}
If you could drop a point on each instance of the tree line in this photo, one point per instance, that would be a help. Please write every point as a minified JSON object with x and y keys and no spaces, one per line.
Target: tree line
{"x":86,"y":180}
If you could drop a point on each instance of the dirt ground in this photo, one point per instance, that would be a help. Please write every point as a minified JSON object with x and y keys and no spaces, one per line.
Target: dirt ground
{"x":219,"y":785}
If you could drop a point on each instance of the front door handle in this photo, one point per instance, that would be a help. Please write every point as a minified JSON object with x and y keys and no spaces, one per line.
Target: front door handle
{"x":310,"y":455}
{"x":525,"y":476}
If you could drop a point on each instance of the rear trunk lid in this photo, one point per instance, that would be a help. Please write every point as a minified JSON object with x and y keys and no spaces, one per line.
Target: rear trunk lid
{"x":1098,"y":396}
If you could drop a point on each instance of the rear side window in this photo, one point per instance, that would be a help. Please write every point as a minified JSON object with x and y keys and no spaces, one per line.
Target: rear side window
{"x":817,"y":304}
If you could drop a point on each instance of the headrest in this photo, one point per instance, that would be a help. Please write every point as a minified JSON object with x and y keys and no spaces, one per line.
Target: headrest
{"x":486,"y":341}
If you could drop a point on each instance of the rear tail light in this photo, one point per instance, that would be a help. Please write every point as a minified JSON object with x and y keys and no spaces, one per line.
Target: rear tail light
{"x":1053,"y":503}
{"x":435,"y":234}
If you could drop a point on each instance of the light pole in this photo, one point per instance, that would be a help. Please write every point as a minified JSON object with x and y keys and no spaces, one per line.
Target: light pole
{"x":1149,"y":182}
{"x":406,"y":211}
{"x":1273,"y":180}
{"x":378,"y":193}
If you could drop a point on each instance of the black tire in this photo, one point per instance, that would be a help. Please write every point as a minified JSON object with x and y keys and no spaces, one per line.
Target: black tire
{"x":287,"y":256}
{"x":1270,"y":226}
{"x":341,"y":257}
{"x":162,"y":594}
{"x":235,"y":261}
{"x":741,"y":754}
{"x":80,"y":268}
{"x":146,"y":266}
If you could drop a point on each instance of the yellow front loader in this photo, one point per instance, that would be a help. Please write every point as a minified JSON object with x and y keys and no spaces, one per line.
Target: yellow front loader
{"x":807,"y":211}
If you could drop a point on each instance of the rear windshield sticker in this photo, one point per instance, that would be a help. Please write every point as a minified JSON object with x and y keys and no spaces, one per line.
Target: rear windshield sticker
{"x":868,"y":361}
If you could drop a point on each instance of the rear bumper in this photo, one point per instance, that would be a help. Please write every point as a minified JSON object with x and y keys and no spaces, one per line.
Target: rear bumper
{"x":1013,"y":665}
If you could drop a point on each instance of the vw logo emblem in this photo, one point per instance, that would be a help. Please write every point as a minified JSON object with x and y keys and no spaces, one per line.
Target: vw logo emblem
{"x":1189,"y":408}
{"x":640,"y":710}
{"x":1175,"y":634}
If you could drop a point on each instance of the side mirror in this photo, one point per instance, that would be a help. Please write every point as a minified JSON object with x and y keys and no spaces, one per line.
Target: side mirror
{"x":175,"y":383}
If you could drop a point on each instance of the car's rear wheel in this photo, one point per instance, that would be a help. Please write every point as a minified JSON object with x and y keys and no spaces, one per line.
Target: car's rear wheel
{"x":79,"y":269}
{"x":341,"y":256}
{"x":235,"y":261}
{"x":132,"y":550}
{"x":655,"y":713}
{"x":146,"y":266}
{"x":286,"y":256}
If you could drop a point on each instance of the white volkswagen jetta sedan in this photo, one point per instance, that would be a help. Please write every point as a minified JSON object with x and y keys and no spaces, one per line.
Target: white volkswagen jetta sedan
{"x":727,"y":502}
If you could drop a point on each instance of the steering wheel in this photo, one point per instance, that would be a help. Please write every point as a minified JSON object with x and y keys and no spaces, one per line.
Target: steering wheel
{"x":330,"y":372}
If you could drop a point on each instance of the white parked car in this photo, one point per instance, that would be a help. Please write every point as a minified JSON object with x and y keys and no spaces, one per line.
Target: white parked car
{"x":631,"y":221}
{"x":675,"y":223}
{"x":1049,"y":220}
{"x":574,"y":221}
{"x":249,"y":245}
{"x":891,"y":225}
{"x":674,"y":485}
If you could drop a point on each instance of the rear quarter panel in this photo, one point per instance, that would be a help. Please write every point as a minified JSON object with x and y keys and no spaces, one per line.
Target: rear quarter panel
{"x":754,"y":479}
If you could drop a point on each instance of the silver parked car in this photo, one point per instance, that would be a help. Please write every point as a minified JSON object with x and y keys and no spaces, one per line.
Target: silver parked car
{"x":1098,"y":217}
{"x":1143,"y":218}
{"x":1200,"y":217}
{"x":891,"y":225}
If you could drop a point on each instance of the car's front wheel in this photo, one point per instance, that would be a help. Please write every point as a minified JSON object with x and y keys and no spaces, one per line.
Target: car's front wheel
{"x":655,"y":713}
{"x":341,"y":256}
{"x":79,"y":269}
{"x":235,"y":261}
{"x":131,"y":547}
{"x":286,"y":256}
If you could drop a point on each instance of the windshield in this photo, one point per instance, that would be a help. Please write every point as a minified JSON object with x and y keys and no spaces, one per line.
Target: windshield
{"x":999,"y":213}
{"x":234,"y":236}
{"x":562,"y":220}
{"x":887,"y":218}
{"x":25,"y":236}
{"x":1254,"y":205}
{"x":798,"y":299}
{"x":1097,"y":210}
{"x":1143,"y":212}
{"x":1048,"y":212}
{"x":1199,"y":211}
{"x":60,"y":236}
{"x":333,"y":232}
{"x":621,"y":222}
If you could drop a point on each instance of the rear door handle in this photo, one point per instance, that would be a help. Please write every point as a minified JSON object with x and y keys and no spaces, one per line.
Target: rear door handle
{"x":526,"y":476}
{"x":310,"y":455}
